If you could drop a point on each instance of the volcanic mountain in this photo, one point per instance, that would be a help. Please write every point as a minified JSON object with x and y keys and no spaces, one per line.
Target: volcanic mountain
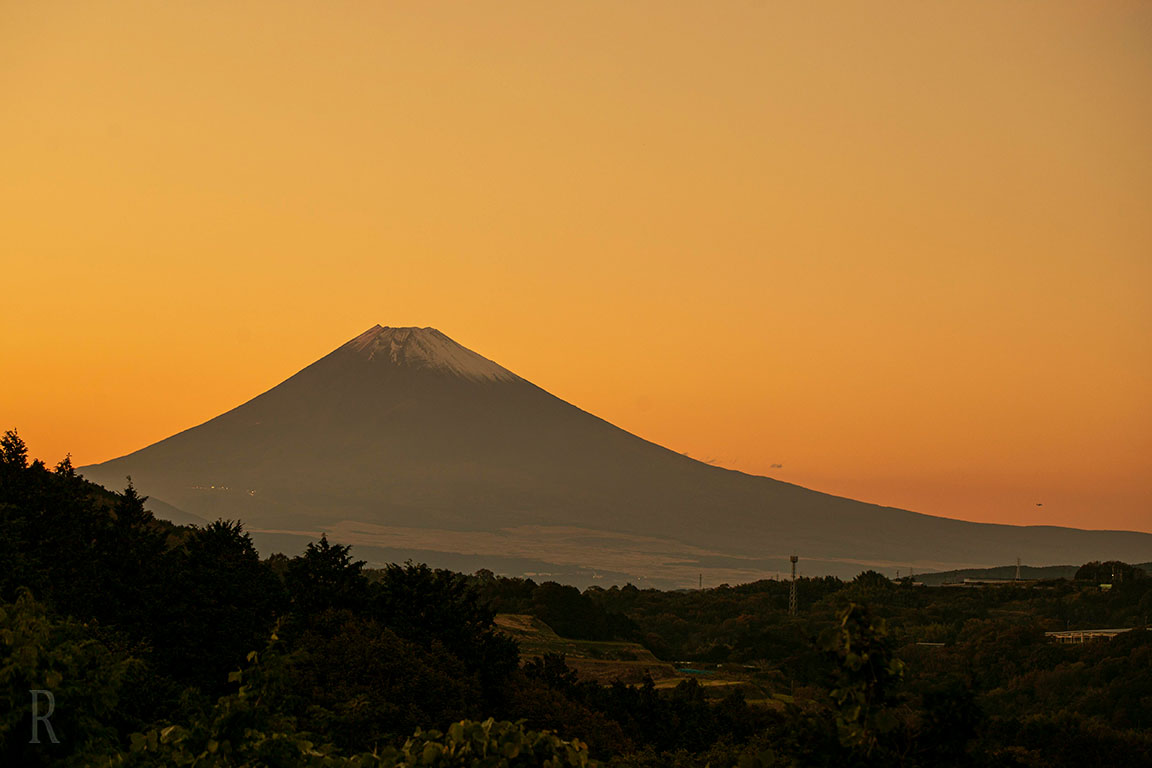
{"x":409,"y":445}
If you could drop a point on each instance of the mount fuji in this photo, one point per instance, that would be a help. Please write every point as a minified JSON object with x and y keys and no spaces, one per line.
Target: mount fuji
{"x":408,"y":445}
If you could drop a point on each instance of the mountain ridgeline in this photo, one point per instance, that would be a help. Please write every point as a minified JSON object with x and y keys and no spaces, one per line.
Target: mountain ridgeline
{"x":409,"y":445}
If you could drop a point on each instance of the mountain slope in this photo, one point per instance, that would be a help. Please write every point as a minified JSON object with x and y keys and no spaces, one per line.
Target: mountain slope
{"x":404,"y":440}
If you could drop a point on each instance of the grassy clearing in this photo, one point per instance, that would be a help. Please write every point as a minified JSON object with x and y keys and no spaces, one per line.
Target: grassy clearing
{"x":605,"y":662}
{"x":602,"y":661}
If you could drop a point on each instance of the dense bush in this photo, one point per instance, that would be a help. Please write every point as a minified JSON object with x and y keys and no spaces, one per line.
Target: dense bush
{"x":169,"y":645}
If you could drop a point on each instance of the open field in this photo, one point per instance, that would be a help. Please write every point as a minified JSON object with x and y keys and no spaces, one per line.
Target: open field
{"x":606,"y":662}
{"x":602,"y":661}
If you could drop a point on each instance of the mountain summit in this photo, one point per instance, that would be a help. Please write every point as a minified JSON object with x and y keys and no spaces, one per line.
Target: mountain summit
{"x":429,"y":349}
{"x":409,"y":445}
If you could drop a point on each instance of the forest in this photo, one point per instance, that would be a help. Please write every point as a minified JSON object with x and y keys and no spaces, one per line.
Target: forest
{"x":168,"y":645}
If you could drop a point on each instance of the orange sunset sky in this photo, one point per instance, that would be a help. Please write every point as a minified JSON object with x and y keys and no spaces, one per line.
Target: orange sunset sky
{"x":903,"y":250}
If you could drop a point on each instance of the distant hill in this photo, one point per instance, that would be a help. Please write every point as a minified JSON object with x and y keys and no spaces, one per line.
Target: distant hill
{"x":999,"y":572}
{"x":408,"y":445}
{"x":1008,"y":572}
{"x":164,"y":511}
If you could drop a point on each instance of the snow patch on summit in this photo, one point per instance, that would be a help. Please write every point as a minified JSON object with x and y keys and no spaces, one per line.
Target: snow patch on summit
{"x":427,"y":348}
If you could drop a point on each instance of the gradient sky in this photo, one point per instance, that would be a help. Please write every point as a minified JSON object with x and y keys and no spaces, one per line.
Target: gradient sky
{"x":903,"y":250}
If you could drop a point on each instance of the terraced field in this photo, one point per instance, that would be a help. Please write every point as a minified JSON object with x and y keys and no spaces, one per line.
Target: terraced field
{"x":593,"y":660}
{"x":606,"y":662}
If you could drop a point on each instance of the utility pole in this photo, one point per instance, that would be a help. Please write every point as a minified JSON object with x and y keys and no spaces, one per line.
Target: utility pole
{"x":792,"y":588}
{"x":1017,"y":569}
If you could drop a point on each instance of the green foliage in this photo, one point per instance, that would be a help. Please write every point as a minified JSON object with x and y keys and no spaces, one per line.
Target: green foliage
{"x":140,"y":621}
{"x":39,"y":652}
{"x":538,"y":705}
{"x":868,"y":583}
{"x":950,"y":720}
{"x":245,"y":728}
{"x":363,"y":685}
{"x":738,"y":624}
{"x":491,"y":744}
{"x":576,"y":615}
{"x":250,"y":728}
{"x":684,"y":718}
{"x":552,"y":670}
{"x":865,"y":673}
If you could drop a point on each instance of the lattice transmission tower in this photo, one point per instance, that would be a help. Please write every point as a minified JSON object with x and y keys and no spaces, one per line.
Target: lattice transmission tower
{"x":792,"y":588}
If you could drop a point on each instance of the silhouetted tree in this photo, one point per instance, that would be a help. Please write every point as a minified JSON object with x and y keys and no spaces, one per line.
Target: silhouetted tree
{"x":226,"y":602}
{"x":1109,"y":572}
{"x":426,"y":605}
{"x":324,"y":577}
{"x":13,"y":453}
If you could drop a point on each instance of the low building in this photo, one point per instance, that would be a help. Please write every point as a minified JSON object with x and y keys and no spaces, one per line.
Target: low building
{"x":1077,"y":636}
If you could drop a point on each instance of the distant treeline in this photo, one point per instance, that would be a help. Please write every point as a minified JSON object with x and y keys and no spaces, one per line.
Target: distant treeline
{"x":171,"y":645}
{"x":1026,"y":572}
